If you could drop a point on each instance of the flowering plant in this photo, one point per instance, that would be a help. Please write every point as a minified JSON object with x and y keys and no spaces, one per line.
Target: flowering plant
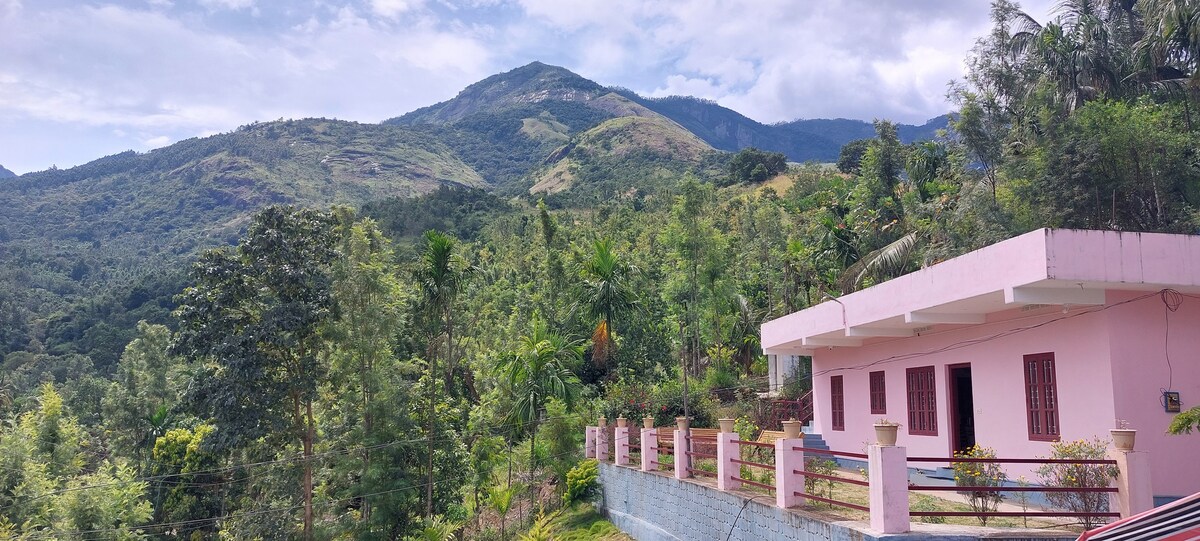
{"x":1079,"y":476}
{"x":980,"y":474}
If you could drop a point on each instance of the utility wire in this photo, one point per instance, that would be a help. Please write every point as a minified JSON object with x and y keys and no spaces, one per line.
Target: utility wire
{"x":257,"y":512}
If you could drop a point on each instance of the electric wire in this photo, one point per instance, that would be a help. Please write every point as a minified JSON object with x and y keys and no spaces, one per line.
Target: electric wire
{"x":257,"y":512}
{"x":982,"y":340}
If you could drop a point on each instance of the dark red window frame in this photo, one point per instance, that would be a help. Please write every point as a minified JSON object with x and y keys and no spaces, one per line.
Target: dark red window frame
{"x":837,"y":403}
{"x":1041,"y":397}
{"x":922,"y":401}
{"x":878,"y":393}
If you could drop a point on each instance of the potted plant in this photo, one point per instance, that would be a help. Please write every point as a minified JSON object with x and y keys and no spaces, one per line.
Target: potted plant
{"x":885,"y":432}
{"x":1123,"y":436}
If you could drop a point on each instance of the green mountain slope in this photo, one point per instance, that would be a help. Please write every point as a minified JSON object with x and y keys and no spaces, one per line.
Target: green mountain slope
{"x":801,"y":140}
{"x":630,"y":152}
{"x":532,"y":83}
{"x":204,"y":180}
{"x":5,"y":173}
{"x":197,"y":193}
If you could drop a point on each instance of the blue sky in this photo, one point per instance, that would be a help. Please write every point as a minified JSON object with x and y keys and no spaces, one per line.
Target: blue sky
{"x":87,"y":78}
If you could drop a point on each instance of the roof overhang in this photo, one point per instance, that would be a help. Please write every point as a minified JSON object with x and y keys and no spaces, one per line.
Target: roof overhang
{"x":1044,"y":267}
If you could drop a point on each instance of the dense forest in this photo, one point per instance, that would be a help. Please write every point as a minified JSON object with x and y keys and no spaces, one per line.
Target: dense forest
{"x":422,"y":367}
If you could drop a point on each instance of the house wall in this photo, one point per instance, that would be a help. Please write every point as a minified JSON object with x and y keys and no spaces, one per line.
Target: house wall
{"x":1139,"y":342}
{"x":1078,"y":340}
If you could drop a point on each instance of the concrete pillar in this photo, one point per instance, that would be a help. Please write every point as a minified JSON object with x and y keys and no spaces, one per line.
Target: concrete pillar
{"x":773,"y":379}
{"x":1134,"y":493}
{"x":621,"y":436}
{"x":649,"y":449}
{"x":589,"y":442}
{"x":887,"y":472}
{"x":681,"y":448}
{"x":787,"y":481}
{"x":602,"y":442}
{"x":727,"y":450}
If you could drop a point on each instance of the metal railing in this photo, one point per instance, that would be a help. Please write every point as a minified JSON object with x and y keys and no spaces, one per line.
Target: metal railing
{"x":998,"y":489}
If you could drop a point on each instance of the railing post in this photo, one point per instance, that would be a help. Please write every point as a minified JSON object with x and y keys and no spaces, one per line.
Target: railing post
{"x":602,"y":441}
{"x":887,"y":472}
{"x":681,"y":448}
{"x":787,"y":463}
{"x":649,"y":445}
{"x":1134,"y":493}
{"x":589,"y":442}
{"x":621,"y":436}
{"x":727,"y":450}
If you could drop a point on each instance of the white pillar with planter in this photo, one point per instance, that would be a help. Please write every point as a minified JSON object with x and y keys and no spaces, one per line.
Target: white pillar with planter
{"x":887,"y":473}
{"x":589,"y":442}
{"x":788,"y":461}
{"x":621,"y":437}
{"x":1134,"y":491}
{"x":727,"y":450}
{"x":602,"y":440}
{"x":649,"y":445}
{"x":681,"y":447}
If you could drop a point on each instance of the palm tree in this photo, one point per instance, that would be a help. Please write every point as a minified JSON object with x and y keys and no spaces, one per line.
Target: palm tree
{"x":607,"y":295}
{"x":744,"y":334}
{"x":1170,"y":49}
{"x":500,"y":498}
{"x":436,"y":529}
{"x":440,"y":278}
{"x":1086,"y":52}
{"x":537,"y":371}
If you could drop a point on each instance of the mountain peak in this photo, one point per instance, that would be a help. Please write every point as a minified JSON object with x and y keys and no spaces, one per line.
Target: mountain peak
{"x":5,"y":173}
{"x":534,"y":82}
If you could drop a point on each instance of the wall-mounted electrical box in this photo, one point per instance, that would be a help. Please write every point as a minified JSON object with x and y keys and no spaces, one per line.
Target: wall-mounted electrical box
{"x":1171,"y":401}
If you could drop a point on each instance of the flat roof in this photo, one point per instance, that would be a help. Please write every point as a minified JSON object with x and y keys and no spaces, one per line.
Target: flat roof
{"x":1046,"y":266}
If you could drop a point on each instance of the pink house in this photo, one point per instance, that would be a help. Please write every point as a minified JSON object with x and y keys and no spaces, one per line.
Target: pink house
{"x":1052,"y":334}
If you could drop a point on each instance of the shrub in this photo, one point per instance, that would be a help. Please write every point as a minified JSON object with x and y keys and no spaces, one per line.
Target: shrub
{"x":980,"y":474}
{"x":794,"y":387}
{"x":668,"y":397}
{"x":583,"y":481}
{"x":926,"y":504}
{"x":721,"y":382}
{"x":1079,"y":476}
{"x":630,"y":399}
{"x":813,"y":485}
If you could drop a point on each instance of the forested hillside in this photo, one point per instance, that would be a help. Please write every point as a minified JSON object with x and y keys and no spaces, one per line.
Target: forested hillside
{"x":421,"y":358}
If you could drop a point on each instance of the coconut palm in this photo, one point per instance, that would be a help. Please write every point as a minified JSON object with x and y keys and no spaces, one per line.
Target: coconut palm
{"x":1085,"y":53}
{"x":538,"y":370}
{"x":607,"y":295}
{"x":1169,"y":51}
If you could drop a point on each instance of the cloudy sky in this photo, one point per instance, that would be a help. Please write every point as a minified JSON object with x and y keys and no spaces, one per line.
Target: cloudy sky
{"x":80,"y":79}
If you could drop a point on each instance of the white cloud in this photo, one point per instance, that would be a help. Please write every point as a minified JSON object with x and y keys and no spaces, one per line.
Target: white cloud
{"x":177,"y":70}
{"x":227,"y":4}
{"x":156,"y":142}
{"x":9,"y":8}
{"x":393,"y":8}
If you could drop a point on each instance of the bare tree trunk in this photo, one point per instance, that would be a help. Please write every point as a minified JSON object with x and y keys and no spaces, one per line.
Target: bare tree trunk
{"x":433,"y":377}
{"x":367,"y":433}
{"x":533,"y":492}
{"x":309,"y":436}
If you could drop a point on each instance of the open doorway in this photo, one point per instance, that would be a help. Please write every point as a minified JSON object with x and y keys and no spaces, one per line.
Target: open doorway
{"x":962,"y":408}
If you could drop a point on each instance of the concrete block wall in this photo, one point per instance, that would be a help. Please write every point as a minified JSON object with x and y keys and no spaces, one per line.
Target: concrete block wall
{"x":652,"y":507}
